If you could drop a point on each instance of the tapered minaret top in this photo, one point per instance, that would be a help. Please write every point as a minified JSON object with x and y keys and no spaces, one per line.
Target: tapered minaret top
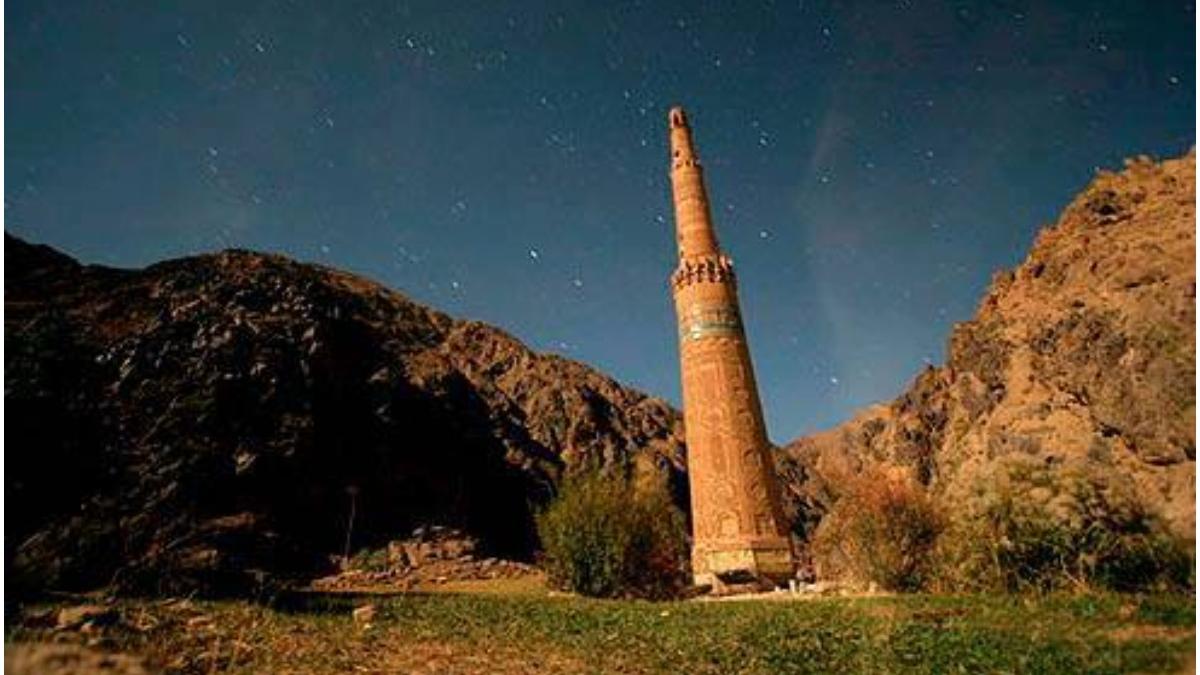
{"x":692,"y":219}
{"x":738,"y":530}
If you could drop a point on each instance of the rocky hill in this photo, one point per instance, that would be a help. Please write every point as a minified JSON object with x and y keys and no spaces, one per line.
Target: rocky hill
{"x":1080,"y":362}
{"x":214,"y":422}
{"x":210,"y":422}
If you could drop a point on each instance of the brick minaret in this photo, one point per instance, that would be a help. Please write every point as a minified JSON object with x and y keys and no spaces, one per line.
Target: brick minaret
{"x":737,"y":523}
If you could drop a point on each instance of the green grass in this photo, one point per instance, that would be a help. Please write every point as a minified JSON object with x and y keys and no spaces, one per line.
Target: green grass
{"x":531,"y":633}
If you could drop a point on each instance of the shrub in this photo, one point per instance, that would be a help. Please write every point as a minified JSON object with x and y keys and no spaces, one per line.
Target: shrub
{"x":1038,"y":531}
{"x":369,"y":560}
{"x":883,"y":528}
{"x":603,"y":537}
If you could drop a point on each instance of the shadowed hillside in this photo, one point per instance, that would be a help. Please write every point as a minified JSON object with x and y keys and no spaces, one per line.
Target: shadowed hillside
{"x":208,"y":422}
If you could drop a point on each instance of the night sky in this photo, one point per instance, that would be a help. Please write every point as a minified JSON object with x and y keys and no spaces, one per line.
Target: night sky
{"x":870,"y":164}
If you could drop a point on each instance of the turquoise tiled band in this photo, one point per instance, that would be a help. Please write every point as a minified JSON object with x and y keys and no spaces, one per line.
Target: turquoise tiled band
{"x":710,"y":322}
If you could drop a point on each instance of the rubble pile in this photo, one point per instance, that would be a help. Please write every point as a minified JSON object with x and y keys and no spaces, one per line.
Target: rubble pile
{"x":431,"y":556}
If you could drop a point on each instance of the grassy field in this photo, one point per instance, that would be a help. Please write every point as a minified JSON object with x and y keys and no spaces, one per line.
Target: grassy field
{"x":529,"y":632}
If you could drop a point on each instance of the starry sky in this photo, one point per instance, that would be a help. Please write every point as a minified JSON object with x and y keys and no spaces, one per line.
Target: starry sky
{"x":871,"y":164}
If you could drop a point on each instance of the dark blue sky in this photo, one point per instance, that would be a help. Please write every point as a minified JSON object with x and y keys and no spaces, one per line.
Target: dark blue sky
{"x":870,"y":164}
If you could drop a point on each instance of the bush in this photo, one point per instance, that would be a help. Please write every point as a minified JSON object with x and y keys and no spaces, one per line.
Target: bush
{"x":1036,"y":531}
{"x":369,"y":560}
{"x":603,"y":537}
{"x":883,"y":528}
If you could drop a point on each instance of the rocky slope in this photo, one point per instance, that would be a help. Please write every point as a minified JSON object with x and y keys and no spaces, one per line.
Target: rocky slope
{"x":210,"y":422}
{"x":1080,"y":362}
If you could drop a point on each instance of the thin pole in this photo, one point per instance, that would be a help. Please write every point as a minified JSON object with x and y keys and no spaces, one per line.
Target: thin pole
{"x":350,"y":524}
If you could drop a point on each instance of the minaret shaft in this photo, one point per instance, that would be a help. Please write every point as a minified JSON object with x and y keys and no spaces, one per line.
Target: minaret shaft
{"x":737,"y":520}
{"x":692,"y":218}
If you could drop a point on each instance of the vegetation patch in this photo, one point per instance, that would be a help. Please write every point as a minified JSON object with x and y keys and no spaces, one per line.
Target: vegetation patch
{"x":883,"y":529}
{"x":1038,"y":531}
{"x":605,"y":537}
{"x":459,"y":633}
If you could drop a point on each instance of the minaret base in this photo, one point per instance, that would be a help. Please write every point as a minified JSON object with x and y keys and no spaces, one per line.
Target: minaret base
{"x":764,"y":563}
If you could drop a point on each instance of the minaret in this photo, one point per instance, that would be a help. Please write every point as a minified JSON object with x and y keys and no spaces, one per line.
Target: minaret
{"x":738,"y":530}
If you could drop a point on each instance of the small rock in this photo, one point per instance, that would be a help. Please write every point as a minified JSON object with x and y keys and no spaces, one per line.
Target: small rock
{"x":73,"y":618}
{"x":198,"y":622}
{"x":364,"y":614}
{"x":39,"y":618}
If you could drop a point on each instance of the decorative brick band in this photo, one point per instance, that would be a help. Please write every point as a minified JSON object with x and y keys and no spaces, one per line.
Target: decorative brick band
{"x":710,"y":321}
{"x":710,"y":269}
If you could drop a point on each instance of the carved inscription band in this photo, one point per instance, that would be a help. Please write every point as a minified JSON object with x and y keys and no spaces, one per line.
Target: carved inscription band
{"x":709,"y":321}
